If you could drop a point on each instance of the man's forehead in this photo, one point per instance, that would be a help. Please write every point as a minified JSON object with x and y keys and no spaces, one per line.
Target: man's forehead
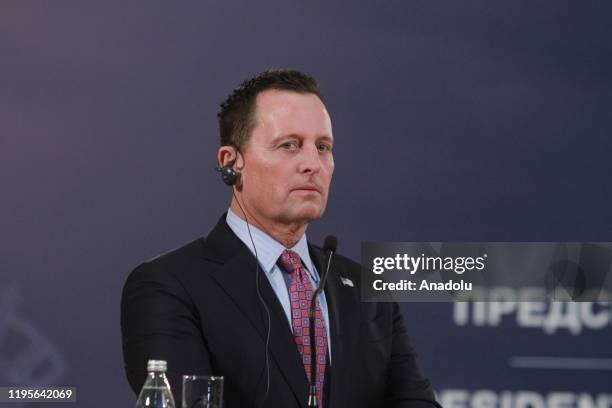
{"x":288,"y":103}
{"x":280,"y":111}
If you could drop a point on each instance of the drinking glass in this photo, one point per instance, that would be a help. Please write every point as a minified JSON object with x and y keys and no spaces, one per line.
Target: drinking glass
{"x":201,"y":391}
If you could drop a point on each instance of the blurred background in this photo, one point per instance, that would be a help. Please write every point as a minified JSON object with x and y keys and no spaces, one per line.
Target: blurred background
{"x":484,"y":121}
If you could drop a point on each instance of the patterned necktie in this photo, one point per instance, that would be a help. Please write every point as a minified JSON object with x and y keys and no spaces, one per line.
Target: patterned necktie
{"x":300,"y":295}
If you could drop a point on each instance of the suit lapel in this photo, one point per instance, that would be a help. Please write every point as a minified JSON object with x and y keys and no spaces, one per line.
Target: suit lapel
{"x":236,"y":277}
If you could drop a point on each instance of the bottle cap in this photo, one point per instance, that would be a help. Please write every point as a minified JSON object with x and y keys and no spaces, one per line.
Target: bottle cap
{"x":157,"y":365}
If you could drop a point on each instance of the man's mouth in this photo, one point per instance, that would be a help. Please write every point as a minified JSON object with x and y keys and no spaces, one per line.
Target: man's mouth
{"x":306,"y":187}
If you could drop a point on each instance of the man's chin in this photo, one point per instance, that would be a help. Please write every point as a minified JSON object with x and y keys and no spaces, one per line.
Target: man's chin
{"x":308,"y":214}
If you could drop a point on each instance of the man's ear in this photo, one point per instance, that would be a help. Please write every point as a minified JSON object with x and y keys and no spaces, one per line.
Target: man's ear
{"x":231,"y":156}
{"x":226,"y":155}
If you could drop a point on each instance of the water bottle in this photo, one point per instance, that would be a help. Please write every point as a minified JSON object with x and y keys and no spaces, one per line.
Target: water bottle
{"x":156,"y":391}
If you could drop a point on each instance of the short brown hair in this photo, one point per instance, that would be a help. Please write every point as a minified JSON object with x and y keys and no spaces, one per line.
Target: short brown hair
{"x":236,"y":111}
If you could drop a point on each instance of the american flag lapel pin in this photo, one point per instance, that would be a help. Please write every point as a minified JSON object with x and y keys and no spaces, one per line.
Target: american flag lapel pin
{"x":347,"y":282}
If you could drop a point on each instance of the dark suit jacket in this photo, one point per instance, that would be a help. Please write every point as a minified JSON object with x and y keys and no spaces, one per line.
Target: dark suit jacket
{"x":197,"y":308}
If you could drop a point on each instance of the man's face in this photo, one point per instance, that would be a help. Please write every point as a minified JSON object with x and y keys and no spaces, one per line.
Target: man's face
{"x":288,"y":163}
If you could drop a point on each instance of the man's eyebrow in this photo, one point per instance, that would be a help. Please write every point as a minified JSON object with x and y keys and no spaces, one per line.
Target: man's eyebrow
{"x":326,"y":138}
{"x":281,"y":137}
{"x":297,"y":136}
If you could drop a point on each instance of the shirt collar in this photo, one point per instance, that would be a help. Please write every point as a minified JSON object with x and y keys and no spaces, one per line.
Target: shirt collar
{"x":268,"y":249}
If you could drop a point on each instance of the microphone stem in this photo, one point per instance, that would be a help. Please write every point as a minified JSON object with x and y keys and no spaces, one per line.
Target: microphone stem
{"x":312,"y":397}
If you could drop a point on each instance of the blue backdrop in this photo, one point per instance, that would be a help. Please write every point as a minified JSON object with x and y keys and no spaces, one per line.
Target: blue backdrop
{"x":453,"y":121}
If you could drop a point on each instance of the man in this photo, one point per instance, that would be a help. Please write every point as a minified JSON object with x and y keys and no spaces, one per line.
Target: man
{"x":233,"y":303}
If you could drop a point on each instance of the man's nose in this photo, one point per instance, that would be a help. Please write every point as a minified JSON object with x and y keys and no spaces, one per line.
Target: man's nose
{"x":310,"y":162}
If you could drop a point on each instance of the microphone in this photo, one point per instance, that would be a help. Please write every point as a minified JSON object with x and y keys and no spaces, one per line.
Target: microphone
{"x":329,"y":247}
{"x":330,"y":243}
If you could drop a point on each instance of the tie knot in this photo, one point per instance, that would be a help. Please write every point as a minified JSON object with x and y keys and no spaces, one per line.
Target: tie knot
{"x":290,"y":261}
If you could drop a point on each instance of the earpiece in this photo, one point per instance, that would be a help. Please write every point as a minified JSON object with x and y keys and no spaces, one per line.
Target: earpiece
{"x":228,"y":174}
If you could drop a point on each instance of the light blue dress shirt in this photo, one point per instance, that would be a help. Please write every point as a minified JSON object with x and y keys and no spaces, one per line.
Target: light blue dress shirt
{"x":268,"y":252}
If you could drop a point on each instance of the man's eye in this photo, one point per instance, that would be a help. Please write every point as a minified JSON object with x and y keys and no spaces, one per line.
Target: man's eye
{"x":289,"y":145}
{"x":324,"y":148}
